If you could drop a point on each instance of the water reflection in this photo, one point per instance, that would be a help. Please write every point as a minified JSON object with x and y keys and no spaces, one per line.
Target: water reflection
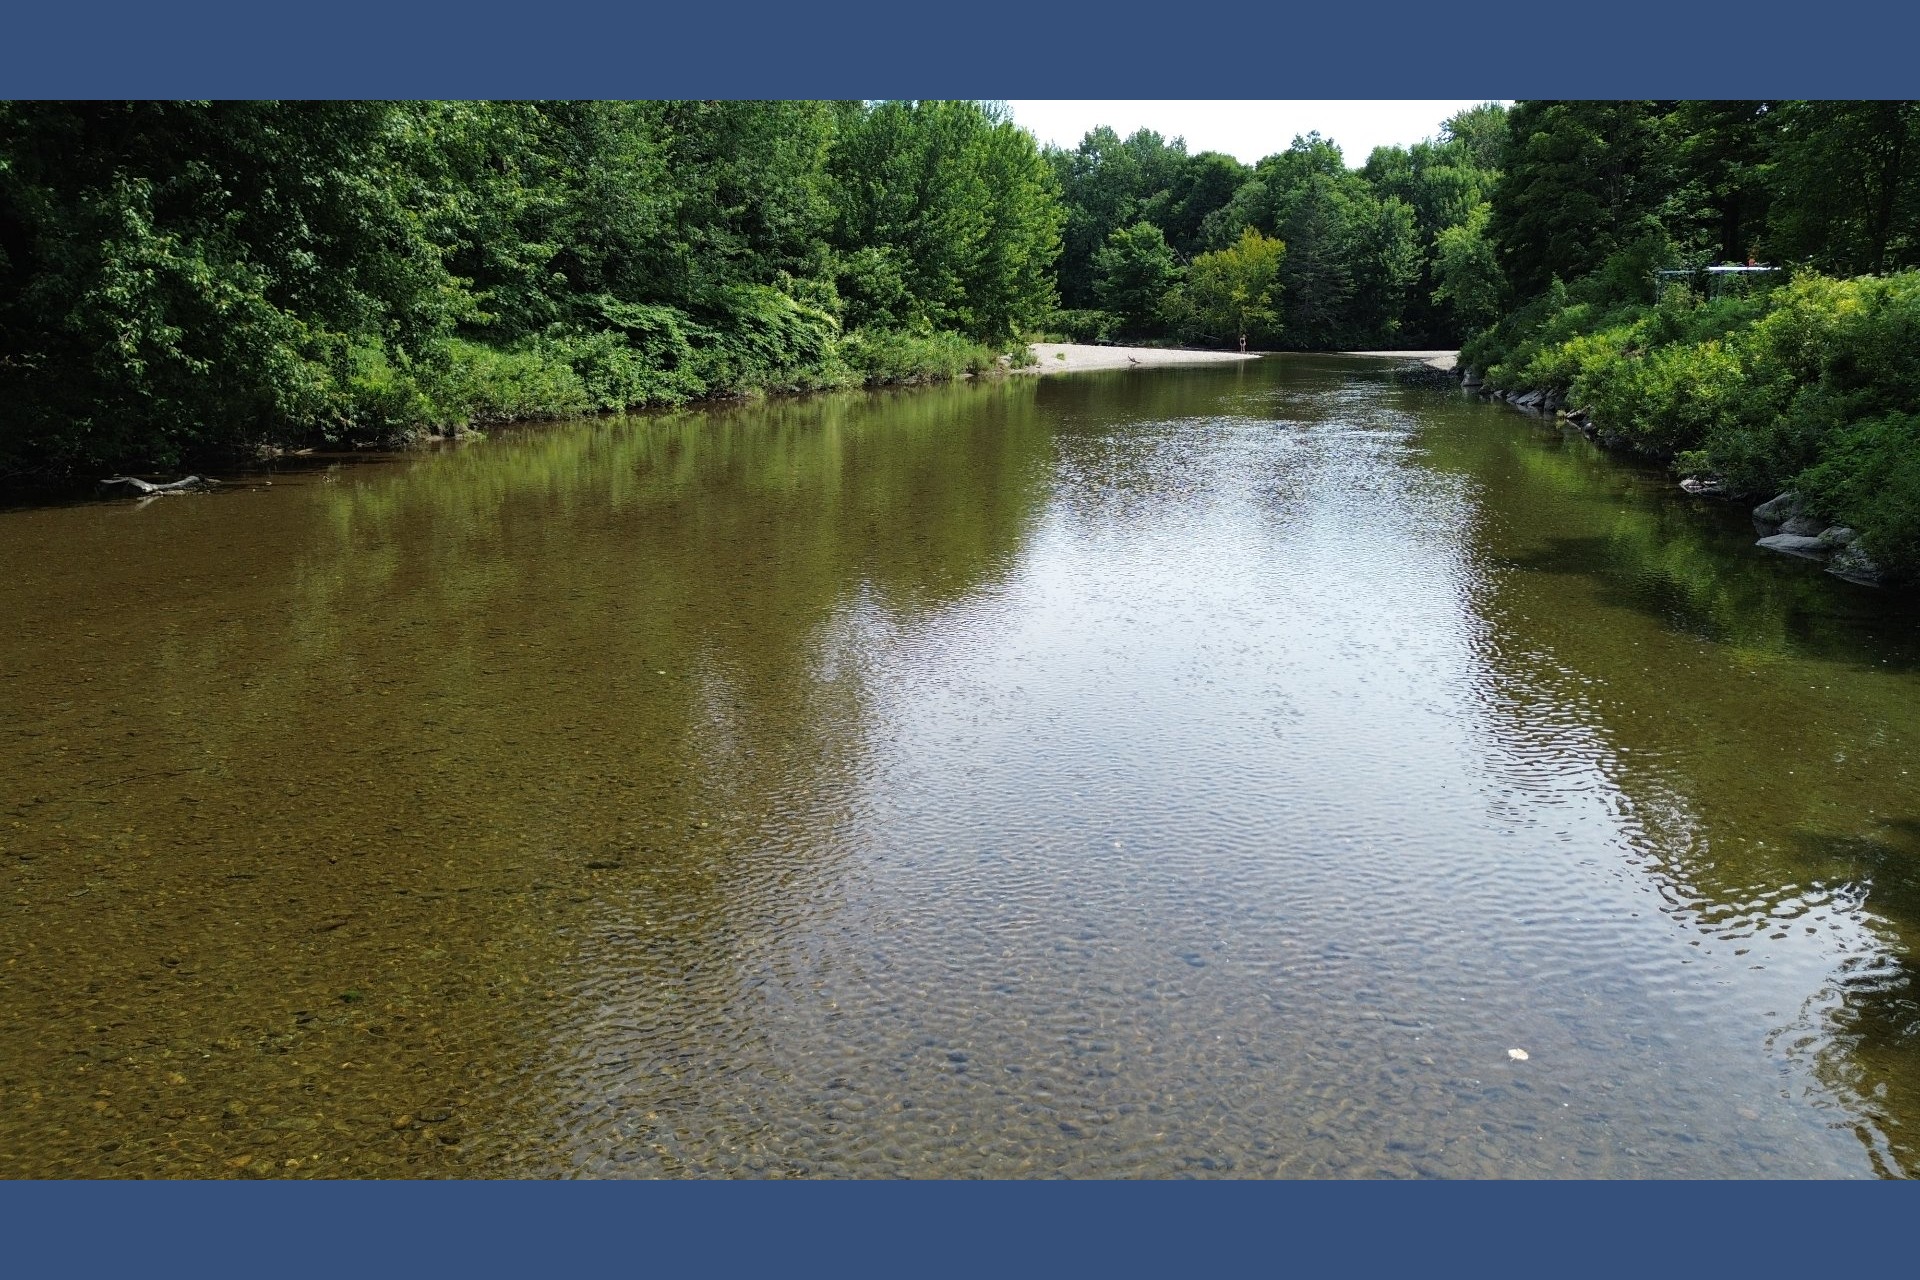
{"x":316,"y":788}
{"x":1756,"y":722}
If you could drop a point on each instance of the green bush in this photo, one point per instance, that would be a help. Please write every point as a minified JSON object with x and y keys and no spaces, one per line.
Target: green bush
{"x":883,"y":356}
{"x":1666,"y":401}
{"x":1807,"y":386}
{"x":1084,"y":326}
{"x":759,"y":339}
{"x":1869,"y":479}
{"x":481,"y":384}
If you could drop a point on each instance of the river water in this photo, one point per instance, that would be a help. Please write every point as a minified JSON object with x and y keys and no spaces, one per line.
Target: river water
{"x":1207,"y":771}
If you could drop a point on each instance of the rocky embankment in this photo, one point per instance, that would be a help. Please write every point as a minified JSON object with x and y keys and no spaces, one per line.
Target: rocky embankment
{"x":1786,"y":527}
{"x":1783,"y":522}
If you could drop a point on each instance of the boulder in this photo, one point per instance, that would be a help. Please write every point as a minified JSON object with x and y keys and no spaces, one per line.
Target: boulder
{"x":1838,"y":536}
{"x":1853,"y":564}
{"x":1776,"y":512}
{"x":1803,"y":525}
{"x":1794,"y":544}
{"x":1704,"y":488}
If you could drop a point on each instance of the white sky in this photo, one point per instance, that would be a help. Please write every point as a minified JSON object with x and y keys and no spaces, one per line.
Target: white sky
{"x":1244,"y":130}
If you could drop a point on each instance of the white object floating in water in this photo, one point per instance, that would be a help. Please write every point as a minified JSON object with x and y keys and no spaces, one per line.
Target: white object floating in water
{"x":1518,"y":1055}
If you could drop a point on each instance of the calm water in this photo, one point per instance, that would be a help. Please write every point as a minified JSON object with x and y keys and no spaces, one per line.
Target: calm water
{"x":1208,"y":771}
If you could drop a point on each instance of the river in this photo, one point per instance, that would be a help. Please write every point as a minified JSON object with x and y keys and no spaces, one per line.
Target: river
{"x":1213,"y":771}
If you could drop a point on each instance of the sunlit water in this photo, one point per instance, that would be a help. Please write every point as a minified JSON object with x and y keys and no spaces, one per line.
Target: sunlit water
{"x":1209,"y":771}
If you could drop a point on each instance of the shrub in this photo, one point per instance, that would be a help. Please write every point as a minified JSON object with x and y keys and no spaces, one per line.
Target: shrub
{"x":1812,"y":385}
{"x":891,"y":356}
{"x":759,"y":339}
{"x":488,"y":384}
{"x":1664,"y":402}
{"x":1084,"y":326}
{"x":1869,"y":479}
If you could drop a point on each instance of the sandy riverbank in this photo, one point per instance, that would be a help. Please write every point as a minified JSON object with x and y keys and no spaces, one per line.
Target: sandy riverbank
{"x":1071,"y":357}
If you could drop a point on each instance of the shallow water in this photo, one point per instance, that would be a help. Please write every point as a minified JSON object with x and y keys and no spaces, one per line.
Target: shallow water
{"x":1209,"y":771}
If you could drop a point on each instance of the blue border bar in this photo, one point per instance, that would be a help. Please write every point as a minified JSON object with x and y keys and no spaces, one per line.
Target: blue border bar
{"x":1068,"y":49}
{"x":911,"y":1229}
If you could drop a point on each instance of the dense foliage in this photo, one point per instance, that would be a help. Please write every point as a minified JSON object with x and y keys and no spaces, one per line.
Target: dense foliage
{"x":1804,"y":380}
{"x":192,"y":280}
{"x":188,"y":280}
{"x":1234,"y":292}
{"x":1366,"y":259}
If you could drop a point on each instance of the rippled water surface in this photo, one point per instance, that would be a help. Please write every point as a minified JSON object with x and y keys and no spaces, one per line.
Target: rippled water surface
{"x":1210,"y":771}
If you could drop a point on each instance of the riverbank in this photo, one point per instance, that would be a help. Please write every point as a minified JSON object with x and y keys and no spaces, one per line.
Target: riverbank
{"x":1074,"y":357}
{"x":1804,"y":388}
{"x":1784,"y":523}
{"x":476,"y":387}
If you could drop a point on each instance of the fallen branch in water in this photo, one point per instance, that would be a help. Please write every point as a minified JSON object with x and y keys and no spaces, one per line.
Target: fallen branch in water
{"x":134,"y":487}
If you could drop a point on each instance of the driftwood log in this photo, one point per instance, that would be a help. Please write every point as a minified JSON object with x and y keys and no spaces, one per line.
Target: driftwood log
{"x":134,"y":487}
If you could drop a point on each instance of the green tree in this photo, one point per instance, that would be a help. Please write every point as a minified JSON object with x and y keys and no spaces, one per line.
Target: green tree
{"x":1846,"y":185}
{"x":1467,"y":272}
{"x":1443,"y":183}
{"x":1723,"y":159}
{"x":1136,"y":270}
{"x":1235,"y":292}
{"x":1108,"y":183}
{"x":1581,"y":181}
{"x":1389,"y":259}
{"x":180,"y":276}
{"x":1478,"y":135}
{"x":182,"y":281}
{"x":1319,"y":268}
{"x":1205,"y":183}
{"x":947,"y":217}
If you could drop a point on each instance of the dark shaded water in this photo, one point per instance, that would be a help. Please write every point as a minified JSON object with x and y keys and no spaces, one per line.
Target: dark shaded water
{"x":1207,"y":771}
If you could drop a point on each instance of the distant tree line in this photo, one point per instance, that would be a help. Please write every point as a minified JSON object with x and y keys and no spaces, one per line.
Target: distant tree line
{"x":1360,"y":257}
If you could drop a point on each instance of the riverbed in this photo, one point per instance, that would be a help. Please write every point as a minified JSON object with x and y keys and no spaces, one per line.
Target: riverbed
{"x":1289,"y":768}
